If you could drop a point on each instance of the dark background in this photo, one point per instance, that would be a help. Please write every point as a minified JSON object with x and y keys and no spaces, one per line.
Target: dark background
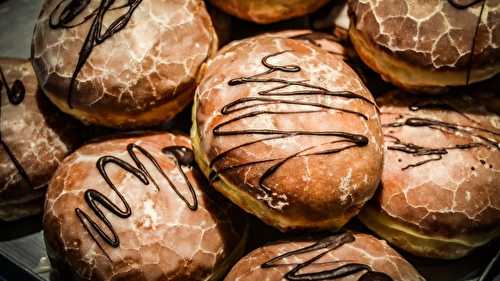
{"x":21,"y":243}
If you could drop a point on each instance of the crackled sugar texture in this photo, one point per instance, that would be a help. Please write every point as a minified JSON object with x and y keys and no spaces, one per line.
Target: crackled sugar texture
{"x":365,"y":250}
{"x":431,"y":32}
{"x":29,"y":130}
{"x":457,"y":194}
{"x":161,"y":48}
{"x":162,"y":234}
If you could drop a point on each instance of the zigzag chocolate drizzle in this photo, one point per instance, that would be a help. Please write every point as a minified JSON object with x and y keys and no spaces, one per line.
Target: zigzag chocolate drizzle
{"x":274,"y":95}
{"x":15,"y":95}
{"x":95,"y":36}
{"x":182,"y":156}
{"x":437,"y":153}
{"x":327,"y":245}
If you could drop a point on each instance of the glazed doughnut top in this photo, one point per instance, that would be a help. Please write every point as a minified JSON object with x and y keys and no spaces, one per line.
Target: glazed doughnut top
{"x":305,"y":259}
{"x":278,"y":116}
{"x":35,"y":136}
{"x":432,"y":33}
{"x":442,"y":162}
{"x":325,"y":41}
{"x":155,"y":55}
{"x":157,"y":226}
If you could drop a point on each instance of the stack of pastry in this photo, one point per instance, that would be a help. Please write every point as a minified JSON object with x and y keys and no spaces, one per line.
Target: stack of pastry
{"x":284,"y":130}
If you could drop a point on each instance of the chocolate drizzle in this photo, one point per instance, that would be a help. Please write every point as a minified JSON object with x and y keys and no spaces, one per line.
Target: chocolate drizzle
{"x":274,"y":96}
{"x":457,"y":5}
{"x":436,"y":154}
{"x":326,"y":245}
{"x":95,"y":36}
{"x":16,"y":92}
{"x":182,"y":156}
{"x":15,"y":95}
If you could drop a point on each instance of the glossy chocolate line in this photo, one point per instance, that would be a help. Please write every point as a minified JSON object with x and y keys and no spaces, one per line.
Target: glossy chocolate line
{"x":439,"y":106}
{"x":416,"y":150}
{"x":16,"y":92}
{"x":326,"y":245}
{"x":15,"y":95}
{"x":268,"y":101}
{"x":182,"y":156}
{"x":459,"y":6}
{"x":280,"y":161}
{"x":444,"y":126}
{"x":272,"y":97}
{"x":437,"y":153}
{"x":95,"y":36}
{"x":71,"y":11}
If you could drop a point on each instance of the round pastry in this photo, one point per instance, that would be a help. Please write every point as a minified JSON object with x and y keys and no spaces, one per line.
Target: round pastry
{"x":269,"y":11}
{"x":134,"y":207}
{"x":439,"y":195}
{"x":122,"y":64}
{"x":427,"y":46}
{"x":34,"y":138}
{"x":343,"y":256}
{"x":274,"y":122}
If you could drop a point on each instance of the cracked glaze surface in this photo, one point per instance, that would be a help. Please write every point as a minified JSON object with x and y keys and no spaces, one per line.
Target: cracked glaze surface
{"x":161,"y":240}
{"x":365,"y":249}
{"x":430,"y":33}
{"x":39,"y":137}
{"x":325,"y":41}
{"x":268,"y":11}
{"x":458,"y":194}
{"x":155,"y":58}
{"x":320,"y":186}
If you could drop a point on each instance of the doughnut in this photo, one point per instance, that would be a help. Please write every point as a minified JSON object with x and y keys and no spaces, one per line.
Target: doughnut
{"x":135,"y":207}
{"x":264,"y":12}
{"x":275,"y":121}
{"x":439,"y":194}
{"x":34,"y":138}
{"x":343,"y":256}
{"x":122,"y":65}
{"x":426,"y":46}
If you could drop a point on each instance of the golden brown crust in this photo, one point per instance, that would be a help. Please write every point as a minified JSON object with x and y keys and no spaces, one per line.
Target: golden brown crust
{"x":431,"y":34}
{"x":454,"y":198}
{"x":365,"y":250}
{"x":140,"y":76}
{"x":268,"y":11}
{"x":395,"y":37}
{"x":313,"y":192}
{"x":37,"y":134}
{"x":325,"y":41}
{"x":162,"y":239}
